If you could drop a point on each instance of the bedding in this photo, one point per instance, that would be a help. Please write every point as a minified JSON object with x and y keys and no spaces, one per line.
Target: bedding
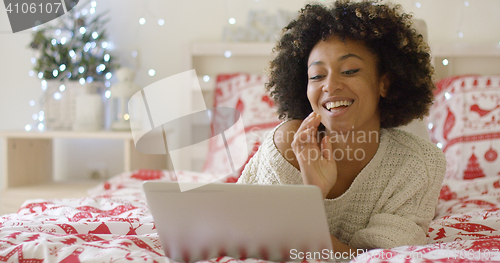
{"x":113,"y":224}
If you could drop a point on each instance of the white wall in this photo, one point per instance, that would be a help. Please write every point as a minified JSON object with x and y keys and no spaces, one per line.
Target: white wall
{"x":162,"y":48}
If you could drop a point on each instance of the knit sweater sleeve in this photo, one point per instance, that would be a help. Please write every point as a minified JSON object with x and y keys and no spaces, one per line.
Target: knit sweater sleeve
{"x":407,"y":205}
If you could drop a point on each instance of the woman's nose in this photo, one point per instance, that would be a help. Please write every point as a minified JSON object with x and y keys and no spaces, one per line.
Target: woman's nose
{"x":331,"y":85}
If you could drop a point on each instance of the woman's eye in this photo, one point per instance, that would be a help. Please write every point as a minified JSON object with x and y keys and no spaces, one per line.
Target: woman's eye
{"x":316,"y":77}
{"x":350,"y":72}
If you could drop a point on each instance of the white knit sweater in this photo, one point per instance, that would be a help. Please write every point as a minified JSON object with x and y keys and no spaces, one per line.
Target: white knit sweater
{"x":390,"y":203}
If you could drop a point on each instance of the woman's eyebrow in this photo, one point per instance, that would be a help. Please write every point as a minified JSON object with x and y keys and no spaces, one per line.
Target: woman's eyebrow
{"x":315,"y":63}
{"x":344,"y":57}
{"x":350,"y":55}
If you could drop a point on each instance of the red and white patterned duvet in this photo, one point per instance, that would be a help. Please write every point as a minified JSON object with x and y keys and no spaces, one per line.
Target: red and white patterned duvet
{"x":466,"y":227}
{"x":114,"y":225}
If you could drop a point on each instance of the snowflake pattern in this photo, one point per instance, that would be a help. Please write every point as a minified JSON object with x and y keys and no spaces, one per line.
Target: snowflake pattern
{"x":54,"y":251}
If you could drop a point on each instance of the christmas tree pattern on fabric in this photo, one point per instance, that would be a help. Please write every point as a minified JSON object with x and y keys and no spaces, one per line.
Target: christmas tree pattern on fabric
{"x":473,"y":169}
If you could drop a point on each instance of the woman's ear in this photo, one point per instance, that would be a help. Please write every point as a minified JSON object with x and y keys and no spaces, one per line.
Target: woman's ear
{"x":384,"y":85}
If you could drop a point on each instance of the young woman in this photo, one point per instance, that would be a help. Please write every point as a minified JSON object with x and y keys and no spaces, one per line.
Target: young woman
{"x":344,"y":77}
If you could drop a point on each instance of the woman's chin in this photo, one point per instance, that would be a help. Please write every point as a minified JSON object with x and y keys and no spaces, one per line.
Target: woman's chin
{"x":339,"y":127}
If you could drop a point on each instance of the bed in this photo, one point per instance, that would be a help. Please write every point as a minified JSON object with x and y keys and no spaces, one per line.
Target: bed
{"x":114,"y":224}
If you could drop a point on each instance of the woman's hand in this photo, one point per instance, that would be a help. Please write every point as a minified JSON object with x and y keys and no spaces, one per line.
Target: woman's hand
{"x":316,"y":161}
{"x":346,"y":251}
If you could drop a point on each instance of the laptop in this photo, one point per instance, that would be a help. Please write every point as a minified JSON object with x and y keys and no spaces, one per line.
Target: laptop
{"x":270,"y":222}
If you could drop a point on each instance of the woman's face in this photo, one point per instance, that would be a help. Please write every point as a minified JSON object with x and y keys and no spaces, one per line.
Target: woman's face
{"x":344,"y":86}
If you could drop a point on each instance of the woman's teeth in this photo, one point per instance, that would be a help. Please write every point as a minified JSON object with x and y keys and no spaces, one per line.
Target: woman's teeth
{"x":334,"y":104}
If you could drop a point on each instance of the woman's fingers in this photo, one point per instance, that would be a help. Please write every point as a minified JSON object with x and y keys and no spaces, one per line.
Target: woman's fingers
{"x":309,"y":126}
{"x":306,"y":123}
{"x":305,"y":142}
{"x":315,"y":157}
{"x":326,"y":148}
{"x":302,"y":144}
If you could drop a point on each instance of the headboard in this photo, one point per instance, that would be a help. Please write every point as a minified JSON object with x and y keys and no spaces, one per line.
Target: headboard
{"x":459,"y":59}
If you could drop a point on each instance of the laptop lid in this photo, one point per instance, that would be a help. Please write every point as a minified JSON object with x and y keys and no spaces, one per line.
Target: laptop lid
{"x":270,"y":222}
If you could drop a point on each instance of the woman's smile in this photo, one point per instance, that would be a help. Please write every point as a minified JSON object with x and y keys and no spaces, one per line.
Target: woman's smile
{"x":337,"y":106}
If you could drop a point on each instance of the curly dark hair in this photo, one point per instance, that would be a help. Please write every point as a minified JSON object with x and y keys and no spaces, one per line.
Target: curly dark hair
{"x":401,"y":53}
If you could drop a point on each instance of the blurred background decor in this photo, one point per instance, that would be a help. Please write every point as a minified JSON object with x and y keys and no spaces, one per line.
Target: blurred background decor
{"x":72,"y":59}
{"x":261,"y":26}
{"x":121,"y":92}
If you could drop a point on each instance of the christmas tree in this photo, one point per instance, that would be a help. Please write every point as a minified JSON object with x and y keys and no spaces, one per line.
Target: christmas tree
{"x":74,"y":47}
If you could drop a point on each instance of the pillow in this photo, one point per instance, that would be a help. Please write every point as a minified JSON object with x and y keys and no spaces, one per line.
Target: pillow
{"x":465,"y":122}
{"x":247,"y":94}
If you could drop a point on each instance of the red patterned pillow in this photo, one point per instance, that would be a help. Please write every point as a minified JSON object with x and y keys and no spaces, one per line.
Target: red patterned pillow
{"x":247,"y":94}
{"x":465,"y":122}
